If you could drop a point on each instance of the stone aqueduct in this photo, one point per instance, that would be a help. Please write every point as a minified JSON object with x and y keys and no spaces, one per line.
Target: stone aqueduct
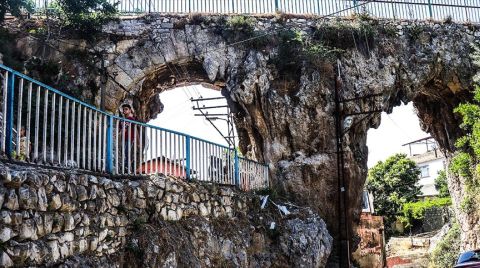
{"x":287,"y":118}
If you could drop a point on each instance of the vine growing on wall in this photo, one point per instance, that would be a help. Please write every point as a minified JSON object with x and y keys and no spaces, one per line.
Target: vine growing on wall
{"x":466,"y":165}
{"x":466,"y":162}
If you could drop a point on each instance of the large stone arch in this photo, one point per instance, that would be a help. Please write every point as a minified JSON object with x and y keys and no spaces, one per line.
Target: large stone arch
{"x":290,"y":122}
{"x":293,"y":127}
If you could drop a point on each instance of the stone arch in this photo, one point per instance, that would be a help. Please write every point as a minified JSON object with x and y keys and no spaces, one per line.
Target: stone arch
{"x":292,"y":128}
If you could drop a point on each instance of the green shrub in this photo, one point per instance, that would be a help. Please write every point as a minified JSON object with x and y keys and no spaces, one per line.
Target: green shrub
{"x":320,"y":52}
{"x":85,"y":17}
{"x":390,"y":30}
{"x":447,"y":250}
{"x":460,"y":165}
{"x":467,"y":205}
{"x":414,"y":32}
{"x":241,"y":23}
{"x":416,"y":210}
{"x":441,"y":184}
{"x":363,"y":16}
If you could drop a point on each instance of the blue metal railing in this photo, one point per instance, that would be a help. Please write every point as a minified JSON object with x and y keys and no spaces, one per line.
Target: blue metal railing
{"x":458,"y":10}
{"x":47,"y":127}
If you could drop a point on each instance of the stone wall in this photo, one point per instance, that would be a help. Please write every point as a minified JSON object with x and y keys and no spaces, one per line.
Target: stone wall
{"x":47,"y":215}
{"x":52,"y":217}
{"x":436,"y":217}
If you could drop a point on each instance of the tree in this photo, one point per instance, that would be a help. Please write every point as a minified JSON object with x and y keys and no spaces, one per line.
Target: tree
{"x":441,"y":184}
{"x":85,"y":16}
{"x":393,"y":183}
{"x":15,"y":7}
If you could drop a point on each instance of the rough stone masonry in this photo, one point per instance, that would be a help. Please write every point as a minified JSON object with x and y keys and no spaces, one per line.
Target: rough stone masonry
{"x":286,"y":116}
{"x":50,"y":217}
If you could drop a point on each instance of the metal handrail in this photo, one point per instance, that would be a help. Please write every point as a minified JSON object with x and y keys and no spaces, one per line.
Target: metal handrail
{"x":49,"y":88}
{"x":72,"y":133}
{"x":458,"y":10}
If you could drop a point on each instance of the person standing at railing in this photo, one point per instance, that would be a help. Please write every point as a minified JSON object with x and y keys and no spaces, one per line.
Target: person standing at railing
{"x":128,"y":130}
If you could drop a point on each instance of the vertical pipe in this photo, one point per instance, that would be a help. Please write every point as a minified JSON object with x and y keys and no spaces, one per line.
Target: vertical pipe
{"x":105,"y":129}
{"x":37,"y":122}
{"x":94,"y":144}
{"x":158,"y":153}
{"x":59,"y":130}
{"x":187,"y":157}
{"x":109,"y":145}
{"x":129,"y":148}
{"x":9,"y":115}
{"x":117,"y":133}
{"x":101,"y":142}
{"x":124,"y":130}
{"x":52,"y":130}
{"x":430,"y":9}
{"x":72,"y":135}
{"x":170,"y":152}
{"x":65,"y":143}
{"x":134,"y":144}
{"x":85,"y":145}
{"x":151,"y":151}
{"x":141,"y":150}
{"x":176,"y":153}
{"x":29,"y":114}
{"x":89,"y":134}
{"x":79,"y":136}
{"x":19,"y":115}
{"x":181,"y":150}
{"x":4,"y":110}
{"x":237,"y":171}
{"x":44,"y":138}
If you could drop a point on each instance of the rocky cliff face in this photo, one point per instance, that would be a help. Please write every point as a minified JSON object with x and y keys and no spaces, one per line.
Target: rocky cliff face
{"x":285,"y":105}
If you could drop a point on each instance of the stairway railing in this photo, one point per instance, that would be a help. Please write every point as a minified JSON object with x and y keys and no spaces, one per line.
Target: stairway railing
{"x":55,"y":129}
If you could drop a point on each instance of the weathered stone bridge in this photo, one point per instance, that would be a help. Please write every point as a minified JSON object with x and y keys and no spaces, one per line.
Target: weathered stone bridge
{"x":281,"y":86}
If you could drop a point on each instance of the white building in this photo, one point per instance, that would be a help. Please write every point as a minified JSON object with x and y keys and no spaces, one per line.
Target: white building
{"x":430,"y":160}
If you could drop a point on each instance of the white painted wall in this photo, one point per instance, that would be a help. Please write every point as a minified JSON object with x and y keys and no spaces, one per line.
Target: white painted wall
{"x":428,"y":183}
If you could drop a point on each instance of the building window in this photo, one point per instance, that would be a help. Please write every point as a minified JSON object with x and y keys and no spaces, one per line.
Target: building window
{"x":424,"y":172}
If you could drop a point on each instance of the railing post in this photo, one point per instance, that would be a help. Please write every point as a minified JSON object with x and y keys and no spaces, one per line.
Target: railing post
{"x":9,"y":116}
{"x":430,"y":9}
{"x":236,"y":168}
{"x":187,"y":156}
{"x":109,"y":149}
